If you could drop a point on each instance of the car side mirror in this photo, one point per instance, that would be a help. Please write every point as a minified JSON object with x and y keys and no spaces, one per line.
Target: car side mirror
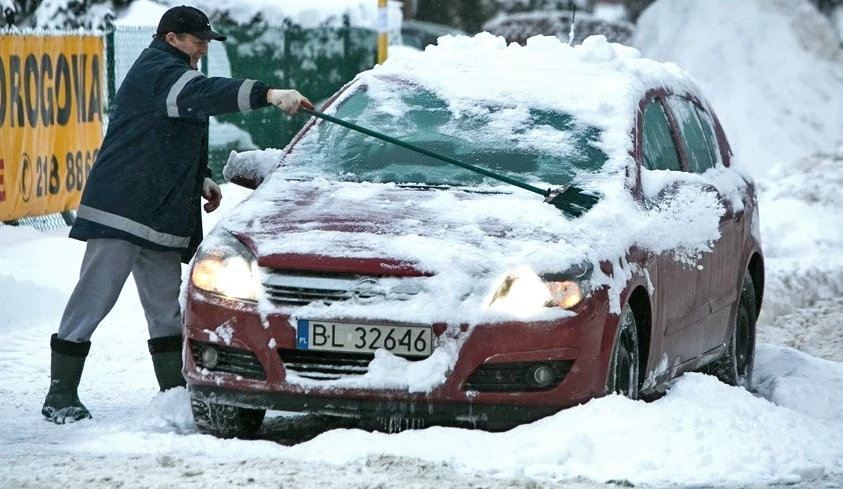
{"x":249,"y":168}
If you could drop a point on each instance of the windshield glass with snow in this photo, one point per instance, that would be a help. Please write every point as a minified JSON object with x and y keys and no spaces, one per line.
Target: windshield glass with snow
{"x":528,"y":144}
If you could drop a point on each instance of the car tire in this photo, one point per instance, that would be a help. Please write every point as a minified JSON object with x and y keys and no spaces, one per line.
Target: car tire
{"x":623,"y":375}
{"x":224,"y":421}
{"x":735,"y":366}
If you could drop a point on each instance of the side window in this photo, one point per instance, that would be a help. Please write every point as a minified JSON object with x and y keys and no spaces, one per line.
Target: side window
{"x":659,"y":148}
{"x":710,"y":135}
{"x":701,"y":156}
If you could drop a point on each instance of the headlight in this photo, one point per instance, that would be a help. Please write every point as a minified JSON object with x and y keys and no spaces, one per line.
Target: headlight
{"x":523,"y":293}
{"x":224,"y":266}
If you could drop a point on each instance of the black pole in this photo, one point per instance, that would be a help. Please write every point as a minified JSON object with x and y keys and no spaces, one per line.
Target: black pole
{"x":111,"y":77}
{"x":427,"y":152}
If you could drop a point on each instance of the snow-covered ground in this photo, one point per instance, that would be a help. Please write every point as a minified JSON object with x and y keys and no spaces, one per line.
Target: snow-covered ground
{"x":701,"y":434}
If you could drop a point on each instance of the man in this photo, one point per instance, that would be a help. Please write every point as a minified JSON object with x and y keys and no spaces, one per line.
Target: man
{"x":140,"y":208}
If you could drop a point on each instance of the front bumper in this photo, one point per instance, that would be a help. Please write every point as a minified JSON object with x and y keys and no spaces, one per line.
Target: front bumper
{"x":581,"y":345}
{"x":389,"y":416}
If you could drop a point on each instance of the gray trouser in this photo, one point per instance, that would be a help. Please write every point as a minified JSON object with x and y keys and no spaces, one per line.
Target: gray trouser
{"x":105,"y":268}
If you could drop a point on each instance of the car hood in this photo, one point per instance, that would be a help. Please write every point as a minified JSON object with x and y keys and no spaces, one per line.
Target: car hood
{"x":453,"y":246}
{"x":418,"y":228}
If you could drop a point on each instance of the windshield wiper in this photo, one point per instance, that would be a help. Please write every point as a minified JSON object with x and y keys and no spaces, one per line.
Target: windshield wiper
{"x":423,"y":186}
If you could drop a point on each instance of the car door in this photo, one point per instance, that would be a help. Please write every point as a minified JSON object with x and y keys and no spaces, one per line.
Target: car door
{"x":702,"y":152}
{"x":681,"y":290}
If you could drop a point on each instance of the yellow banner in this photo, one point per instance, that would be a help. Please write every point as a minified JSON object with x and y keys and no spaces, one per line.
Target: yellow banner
{"x":51,"y":107}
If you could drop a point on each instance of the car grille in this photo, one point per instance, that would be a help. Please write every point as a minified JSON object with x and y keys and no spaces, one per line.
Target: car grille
{"x":294,"y":288}
{"x":231,"y":360}
{"x":325,"y":365}
{"x":512,"y":377}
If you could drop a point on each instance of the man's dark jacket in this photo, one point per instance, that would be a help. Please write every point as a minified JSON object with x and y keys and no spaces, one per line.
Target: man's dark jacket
{"x":146,"y":183}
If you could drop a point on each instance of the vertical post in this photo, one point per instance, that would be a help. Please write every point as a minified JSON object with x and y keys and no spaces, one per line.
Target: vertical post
{"x":291,"y":34}
{"x":285,"y":80}
{"x":348,"y":70}
{"x":112,"y":70}
{"x":383,"y":28}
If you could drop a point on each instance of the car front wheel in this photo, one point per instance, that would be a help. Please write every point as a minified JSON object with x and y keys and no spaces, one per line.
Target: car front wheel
{"x":224,"y":421}
{"x":623,"y":370}
{"x":735,"y":366}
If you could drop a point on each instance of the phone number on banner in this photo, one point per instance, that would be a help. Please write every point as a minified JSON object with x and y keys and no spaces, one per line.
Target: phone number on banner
{"x":48,"y":174}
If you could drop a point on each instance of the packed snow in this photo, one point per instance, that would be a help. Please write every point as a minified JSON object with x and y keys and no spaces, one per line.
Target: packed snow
{"x":700,"y":434}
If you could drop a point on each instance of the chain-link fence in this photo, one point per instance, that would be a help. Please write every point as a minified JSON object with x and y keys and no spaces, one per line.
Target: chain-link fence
{"x":50,"y":222}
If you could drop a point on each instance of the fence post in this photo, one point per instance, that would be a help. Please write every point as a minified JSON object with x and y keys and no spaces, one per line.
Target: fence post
{"x":112,"y":70}
{"x":383,"y":29}
{"x":348,"y":69}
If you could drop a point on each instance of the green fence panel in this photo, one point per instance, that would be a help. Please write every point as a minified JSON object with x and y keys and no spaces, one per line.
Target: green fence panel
{"x":315,"y":61}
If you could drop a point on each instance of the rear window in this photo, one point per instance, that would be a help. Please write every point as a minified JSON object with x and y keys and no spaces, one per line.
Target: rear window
{"x":698,"y":137}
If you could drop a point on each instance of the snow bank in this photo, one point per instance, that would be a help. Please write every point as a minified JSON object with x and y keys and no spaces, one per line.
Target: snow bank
{"x":773,"y":70}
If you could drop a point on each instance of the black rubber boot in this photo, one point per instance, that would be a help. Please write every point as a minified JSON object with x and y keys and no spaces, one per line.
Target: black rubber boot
{"x":68,"y":359}
{"x":167,"y":361}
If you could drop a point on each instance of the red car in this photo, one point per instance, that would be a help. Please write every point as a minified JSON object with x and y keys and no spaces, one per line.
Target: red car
{"x":367,"y":280}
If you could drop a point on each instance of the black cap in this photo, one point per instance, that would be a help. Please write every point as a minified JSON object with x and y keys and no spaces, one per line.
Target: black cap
{"x":190,"y":20}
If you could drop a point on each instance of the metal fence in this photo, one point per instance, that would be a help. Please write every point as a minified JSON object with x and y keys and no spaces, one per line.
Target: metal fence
{"x":50,"y":222}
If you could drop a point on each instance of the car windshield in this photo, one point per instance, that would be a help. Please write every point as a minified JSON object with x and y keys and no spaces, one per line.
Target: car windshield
{"x":531,"y":145}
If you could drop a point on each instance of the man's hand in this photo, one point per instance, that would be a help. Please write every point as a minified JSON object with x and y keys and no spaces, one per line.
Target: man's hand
{"x":287,"y":100}
{"x":212,"y":193}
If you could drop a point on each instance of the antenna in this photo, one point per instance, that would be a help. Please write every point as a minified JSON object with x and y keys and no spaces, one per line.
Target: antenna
{"x":573,"y":24}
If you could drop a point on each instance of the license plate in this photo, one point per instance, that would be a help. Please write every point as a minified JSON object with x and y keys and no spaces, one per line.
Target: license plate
{"x":409,"y":341}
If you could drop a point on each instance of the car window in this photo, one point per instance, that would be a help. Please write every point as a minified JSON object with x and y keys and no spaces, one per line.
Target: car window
{"x":529,"y":144}
{"x":659,"y":147}
{"x":710,"y":136}
{"x":698,"y":147}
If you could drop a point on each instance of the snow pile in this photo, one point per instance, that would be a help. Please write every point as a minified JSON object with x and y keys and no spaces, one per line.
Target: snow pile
{"x":804,"y":253}
{"x":773,"y":71}
{"x":598,"y":440}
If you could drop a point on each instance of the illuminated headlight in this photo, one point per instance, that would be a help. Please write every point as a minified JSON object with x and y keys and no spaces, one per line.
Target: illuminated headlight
{"x":225,"y":267}
{"x":523,"y":293}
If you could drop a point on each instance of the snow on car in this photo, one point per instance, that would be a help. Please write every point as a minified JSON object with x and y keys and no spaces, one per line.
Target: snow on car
{"x":366,"y":280}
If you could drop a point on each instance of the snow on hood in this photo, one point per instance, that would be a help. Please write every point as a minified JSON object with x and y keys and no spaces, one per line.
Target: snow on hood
{"x":473,"y":242}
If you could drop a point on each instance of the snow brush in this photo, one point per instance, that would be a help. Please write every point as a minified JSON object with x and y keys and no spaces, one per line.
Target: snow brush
{"x":568,"y":198}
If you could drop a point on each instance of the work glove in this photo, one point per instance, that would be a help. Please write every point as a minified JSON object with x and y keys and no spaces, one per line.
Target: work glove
{"x":287,"y":100}
{"x":212,"y":193}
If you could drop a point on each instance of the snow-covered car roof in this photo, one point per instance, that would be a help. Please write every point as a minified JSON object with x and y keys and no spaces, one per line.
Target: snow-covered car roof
{"x":601,"y":83}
